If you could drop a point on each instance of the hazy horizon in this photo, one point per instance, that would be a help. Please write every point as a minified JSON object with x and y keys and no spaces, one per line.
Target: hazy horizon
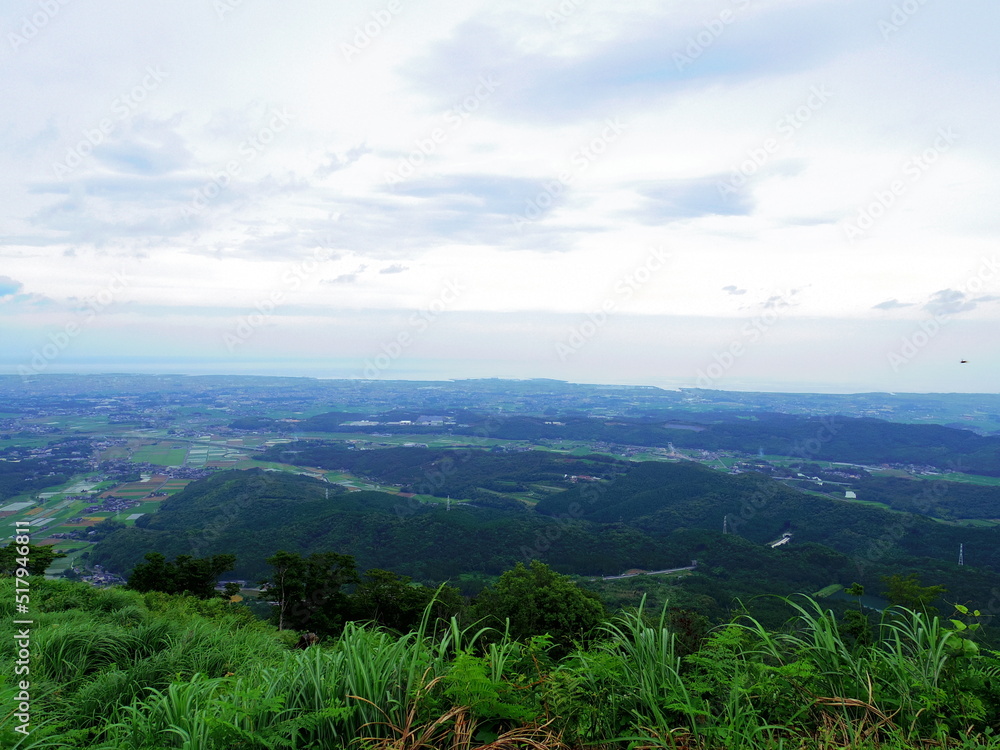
{"x":322,"y":371}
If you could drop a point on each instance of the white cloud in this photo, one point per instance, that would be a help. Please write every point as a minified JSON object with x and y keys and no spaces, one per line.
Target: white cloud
{"x":498,"y":115}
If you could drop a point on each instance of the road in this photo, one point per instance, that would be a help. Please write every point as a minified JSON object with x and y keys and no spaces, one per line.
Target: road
{"x":644,"y":573}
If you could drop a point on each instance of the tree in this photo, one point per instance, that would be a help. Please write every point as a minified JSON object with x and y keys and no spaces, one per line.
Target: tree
{"x":105,"y":528}
{"x":537,"y":600}
{"x":230,"y":591}
{"x":908,"y":592}
{"x":185,"y":575}
{"x":38,"y":558}
{"x":856,"y":590}
{"x":394,"y":602}
{"x":308,"y":590}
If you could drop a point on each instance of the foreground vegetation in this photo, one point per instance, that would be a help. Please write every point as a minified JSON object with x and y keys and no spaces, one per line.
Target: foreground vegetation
{"x":120,"y":669}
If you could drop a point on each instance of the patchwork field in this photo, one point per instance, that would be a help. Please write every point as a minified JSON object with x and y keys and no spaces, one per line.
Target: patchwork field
{"x":136,"y":490}
{"x":214,"y":455}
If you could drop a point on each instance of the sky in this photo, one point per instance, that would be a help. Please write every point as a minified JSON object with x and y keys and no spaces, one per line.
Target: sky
{"x":780,"y":195}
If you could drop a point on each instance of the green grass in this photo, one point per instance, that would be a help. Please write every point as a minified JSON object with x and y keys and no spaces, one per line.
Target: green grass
{"x":824,"y":592}
{"x":113,"y":669}
{"x":160,"y":455}
{"x":871,"y":503}
{"x":970,"y":479}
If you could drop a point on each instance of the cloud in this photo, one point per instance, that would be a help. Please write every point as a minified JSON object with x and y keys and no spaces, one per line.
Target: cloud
{"x":344,"y":278}
{"x":9,"y":286}
{"x":950,"y":302}
{"x":146,"y":147}
{"x":335,"y":162}
{"x":668,"y":200}
{"x":394,"y":268}
{"x":637,"y":62}
{"x":731,"y":289}
{"x":476,"y":193}
{"x":781,"y":300}
{"x":891,"y":304}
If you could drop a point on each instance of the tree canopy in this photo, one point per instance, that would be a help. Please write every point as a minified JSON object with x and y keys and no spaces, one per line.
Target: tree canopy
{"x":308,"y":590}
{"x":38,"y":559}
{"x":185,"y":575}
{"x":537,"y":600}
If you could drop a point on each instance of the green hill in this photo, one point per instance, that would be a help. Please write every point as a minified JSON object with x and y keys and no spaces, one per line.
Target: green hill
{"x":655,"y":516}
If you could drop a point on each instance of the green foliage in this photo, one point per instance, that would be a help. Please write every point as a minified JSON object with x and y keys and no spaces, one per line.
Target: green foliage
{"x":119,"y":670}
{"x":855,"y":440}
{"x":653,"y":516}
{"x":537,"y":601}
{"x":940,"y":498}
{"x":461,"y":473}
{"x":307,"y":590}
{"x":394,"y":602}
{"x":906,"y":591}
{"x":185,"y":575}
{"x":35,"y":558}
{"x":469,"y":684}
{"x":105,"y":528}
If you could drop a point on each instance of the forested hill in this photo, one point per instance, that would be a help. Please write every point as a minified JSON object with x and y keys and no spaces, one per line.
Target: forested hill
{"x":940,"y":499}
{"x":253,"y":514}
{"x":855,"y":440}
{"x":656,"y":497}
{"x":655,"y":516}
{"x":437,"y":471}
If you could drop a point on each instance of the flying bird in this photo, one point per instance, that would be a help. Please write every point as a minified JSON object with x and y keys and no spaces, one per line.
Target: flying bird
{"x":964,"y":362}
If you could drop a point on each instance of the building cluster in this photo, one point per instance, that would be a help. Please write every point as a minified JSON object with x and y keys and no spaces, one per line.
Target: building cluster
{"x":102,"y":577}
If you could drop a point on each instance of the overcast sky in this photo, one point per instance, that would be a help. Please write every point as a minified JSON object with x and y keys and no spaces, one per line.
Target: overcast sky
{"x":748,"y":194}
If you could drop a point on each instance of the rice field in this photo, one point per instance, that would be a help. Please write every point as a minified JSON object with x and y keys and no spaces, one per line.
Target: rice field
{"x":161,"y":454}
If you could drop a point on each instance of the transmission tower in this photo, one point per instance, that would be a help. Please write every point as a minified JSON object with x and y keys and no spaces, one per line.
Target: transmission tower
{"x":961,"y":554}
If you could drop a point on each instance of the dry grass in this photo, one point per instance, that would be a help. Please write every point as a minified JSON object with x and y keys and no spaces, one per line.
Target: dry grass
{"x":456,"y":729}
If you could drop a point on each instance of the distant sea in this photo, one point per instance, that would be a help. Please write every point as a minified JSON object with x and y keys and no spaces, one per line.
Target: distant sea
{"x":410,"y":369}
